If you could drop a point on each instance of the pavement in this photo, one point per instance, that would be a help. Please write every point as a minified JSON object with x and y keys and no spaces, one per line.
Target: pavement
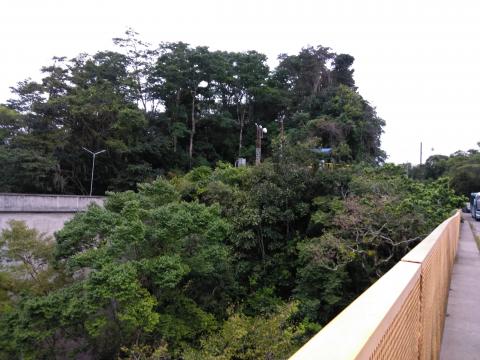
{"x":461,"y":336}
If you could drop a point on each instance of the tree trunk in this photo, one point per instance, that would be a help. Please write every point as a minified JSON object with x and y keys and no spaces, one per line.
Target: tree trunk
{"x":192,"y":132}
{"x":174,"y":118}
{"x":317,"y":82}
{"x":240,"y":140}
{"x":258,"y":149}
{"x":241,"y":121}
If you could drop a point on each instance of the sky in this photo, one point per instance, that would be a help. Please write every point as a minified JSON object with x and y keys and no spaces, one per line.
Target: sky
{"x":416,"y":62}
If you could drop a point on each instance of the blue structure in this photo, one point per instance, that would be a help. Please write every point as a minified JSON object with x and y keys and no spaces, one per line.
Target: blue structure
{"x":324,"y":151}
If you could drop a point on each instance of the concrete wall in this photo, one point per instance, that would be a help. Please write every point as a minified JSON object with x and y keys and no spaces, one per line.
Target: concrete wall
{"x":46,"y":203}
{"x":46,"y":213}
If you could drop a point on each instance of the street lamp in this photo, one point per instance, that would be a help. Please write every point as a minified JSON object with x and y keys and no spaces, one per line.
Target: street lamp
{"x":94,"y":154}
{"x":258,"y":148}
{"x":202,"y":84}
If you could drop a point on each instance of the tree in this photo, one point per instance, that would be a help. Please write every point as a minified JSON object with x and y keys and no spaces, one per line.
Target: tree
{"x":305,"y":74}
{"x":181,"y":74}
{"x":10,"y":124}
{"x":341,"y":73}
{"x":140,"y":65}
{"x":246,"y":338}
{"x":246,"y":74}
{"x":26,"y":257}
{"x":465,"y":178}
{"x":435,"y":166}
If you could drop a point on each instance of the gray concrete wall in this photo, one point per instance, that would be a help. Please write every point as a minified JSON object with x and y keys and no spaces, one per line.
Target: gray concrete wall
{"x":46,"y":203}
{"x":46,"y":213}
{"x":47,"y":223}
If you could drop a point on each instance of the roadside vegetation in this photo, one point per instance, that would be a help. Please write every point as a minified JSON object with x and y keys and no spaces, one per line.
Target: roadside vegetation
{"x":229,"y":263}
{"x":461,"y":167}
{"x":212,"y":261}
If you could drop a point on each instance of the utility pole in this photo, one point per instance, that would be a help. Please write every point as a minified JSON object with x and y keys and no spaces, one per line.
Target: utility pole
{"x":421,"y":152}
{"x":258,"y":147}
{"x":94,"y":154}
{"x":202,"y":84}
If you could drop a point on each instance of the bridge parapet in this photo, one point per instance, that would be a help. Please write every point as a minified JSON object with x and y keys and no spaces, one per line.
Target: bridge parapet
{"x":402,"y":315}
{"x":46,"y":213}
{"x":32,"y":203}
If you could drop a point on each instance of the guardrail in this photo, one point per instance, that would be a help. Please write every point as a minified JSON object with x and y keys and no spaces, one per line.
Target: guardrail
{"x":402,"y":315}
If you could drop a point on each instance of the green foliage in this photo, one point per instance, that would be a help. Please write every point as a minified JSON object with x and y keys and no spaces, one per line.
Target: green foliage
{"x":199,"y":266}
{"x":115,"y":287}
{"x":136,"y":272}
{"x":158,"y":193}
{"x":465,"y":179}
{"x":11,"y":122}
{"x":202,"y":265}
{"x":248,"y":338}
{"x":166,"y":109}
{"x":462,"y":169}
{"x":85,"y":231}
{"x":360,"y":235}
{"x":25,"y":258}
{"x":28,"y":170}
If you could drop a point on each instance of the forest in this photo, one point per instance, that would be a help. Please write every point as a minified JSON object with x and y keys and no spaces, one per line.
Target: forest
{"x":192,"y":257}
{"x":163,"y":111}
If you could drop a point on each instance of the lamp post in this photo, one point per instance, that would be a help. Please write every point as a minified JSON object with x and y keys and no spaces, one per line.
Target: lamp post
{"x":258,"y":148}
{"x":94,"y":154}
{"x":421,"y":152}
{"x":202,"y":84}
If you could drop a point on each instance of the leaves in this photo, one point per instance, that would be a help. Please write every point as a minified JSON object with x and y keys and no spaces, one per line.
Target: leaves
{"x":146,"y":107}
{"x":247,"y":338}
{"x":202,"y":264}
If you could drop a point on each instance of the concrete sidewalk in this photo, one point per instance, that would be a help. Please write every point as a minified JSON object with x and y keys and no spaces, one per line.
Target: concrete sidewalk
{"x":461,"y":337}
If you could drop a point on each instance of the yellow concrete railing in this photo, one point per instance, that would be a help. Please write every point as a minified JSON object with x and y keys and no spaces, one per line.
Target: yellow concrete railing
{"x":402,"y":315}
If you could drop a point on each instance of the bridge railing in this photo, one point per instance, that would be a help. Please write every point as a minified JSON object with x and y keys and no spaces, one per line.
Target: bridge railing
{"x":402,"y":315}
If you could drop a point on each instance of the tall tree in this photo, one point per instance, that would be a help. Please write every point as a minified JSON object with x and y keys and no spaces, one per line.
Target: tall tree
{"x":341,"y":72}
{"x":141,"y":59}
{"x":181,"y":75}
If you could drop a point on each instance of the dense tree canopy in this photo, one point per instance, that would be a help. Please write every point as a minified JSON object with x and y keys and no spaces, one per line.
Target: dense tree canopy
{"x":167,"y":109}
{"x":229,"y":263}
{"x":192,"y":258}
{"x":461,"y":167}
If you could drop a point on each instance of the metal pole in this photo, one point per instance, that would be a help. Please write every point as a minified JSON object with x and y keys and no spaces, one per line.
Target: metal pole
{"x":258,"y":147}
{"x":91,"y":179}
{"x":260,"y":136}
{"x":94,"y":154}
{"x":421,"y":153}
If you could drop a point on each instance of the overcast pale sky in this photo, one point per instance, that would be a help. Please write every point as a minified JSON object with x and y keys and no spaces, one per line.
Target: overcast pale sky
{"x":416,"y":61}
